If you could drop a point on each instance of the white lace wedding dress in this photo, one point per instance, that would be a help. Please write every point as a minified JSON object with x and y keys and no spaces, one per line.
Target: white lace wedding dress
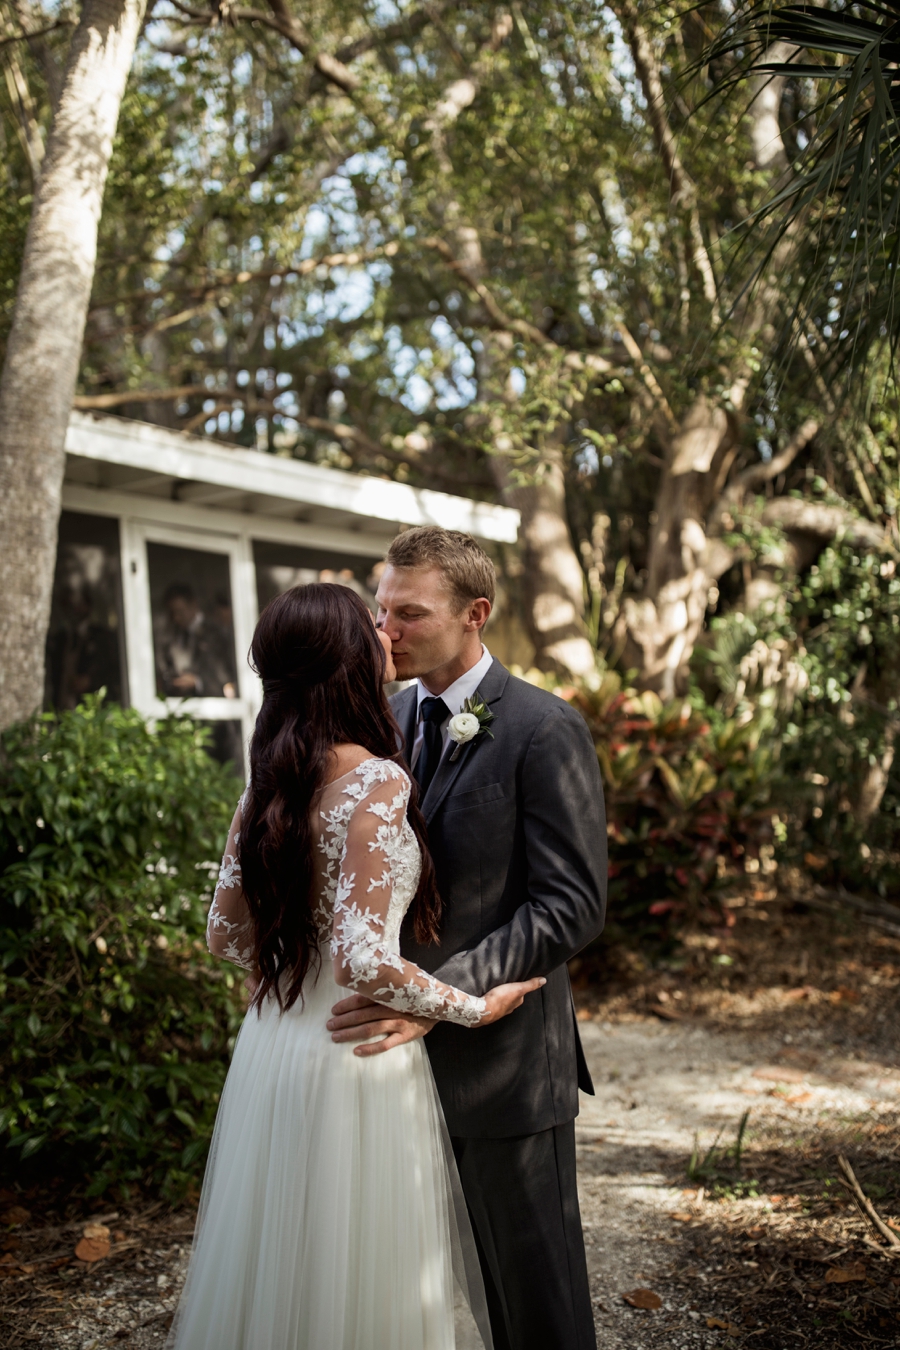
{"x":331,"y":1216}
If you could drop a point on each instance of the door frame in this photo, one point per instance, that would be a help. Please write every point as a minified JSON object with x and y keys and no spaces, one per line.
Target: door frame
{"x":135,"y":534}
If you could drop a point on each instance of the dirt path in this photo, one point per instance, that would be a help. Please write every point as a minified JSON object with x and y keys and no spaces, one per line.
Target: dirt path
{"x":659,"y":1086}
{"x":793,"y":1017}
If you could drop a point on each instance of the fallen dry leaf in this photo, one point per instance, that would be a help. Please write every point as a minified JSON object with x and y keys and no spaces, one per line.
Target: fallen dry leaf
{"x":719,"y":1324}
{"x":94,"y":1245}
{"x":15,"y":1215}
{"x":797,"y":1098}
{"x":846,"y":1274}
{"x":771,"y":1073}
{"x":643,"y":1298}
{"x":92,"y":1249}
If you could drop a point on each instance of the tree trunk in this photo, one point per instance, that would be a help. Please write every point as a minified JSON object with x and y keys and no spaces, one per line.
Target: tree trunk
{"x":44,"y":348}
{"x":875,"y":781}
{"x":664,"y":624}
{"x":554,"y":581}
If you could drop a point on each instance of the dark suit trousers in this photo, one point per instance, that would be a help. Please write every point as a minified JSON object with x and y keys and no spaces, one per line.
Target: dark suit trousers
{"x":523,"y":1201}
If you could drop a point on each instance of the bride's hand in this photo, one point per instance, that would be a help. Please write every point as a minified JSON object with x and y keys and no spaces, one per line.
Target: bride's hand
{"x":505,"y":998}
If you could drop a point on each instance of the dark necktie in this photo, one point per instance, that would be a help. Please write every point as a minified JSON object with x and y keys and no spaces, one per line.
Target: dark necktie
{"x":433,"y":712}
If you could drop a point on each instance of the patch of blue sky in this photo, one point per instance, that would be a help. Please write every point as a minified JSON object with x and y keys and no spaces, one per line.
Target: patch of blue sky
{"x":174,"y":241}
{"x":351,"y":296}
{"x":456,"y":392}
{"x":418,"y":394}
{"x":622,"y":75}
{"x":587,"y":461}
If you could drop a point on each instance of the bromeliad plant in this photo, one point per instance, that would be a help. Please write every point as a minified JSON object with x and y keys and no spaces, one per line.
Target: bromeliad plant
{"x":117,"y":1022}
{"x":688,"y":799}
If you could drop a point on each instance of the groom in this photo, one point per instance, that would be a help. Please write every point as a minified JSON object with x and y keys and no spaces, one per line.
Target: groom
{"x":518,"y":834}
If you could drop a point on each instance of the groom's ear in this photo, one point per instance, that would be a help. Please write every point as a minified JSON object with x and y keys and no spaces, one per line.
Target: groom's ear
{"x":477,"y":614}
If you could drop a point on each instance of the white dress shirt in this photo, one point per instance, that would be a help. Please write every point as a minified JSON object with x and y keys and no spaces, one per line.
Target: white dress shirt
{"x":454,"y":697}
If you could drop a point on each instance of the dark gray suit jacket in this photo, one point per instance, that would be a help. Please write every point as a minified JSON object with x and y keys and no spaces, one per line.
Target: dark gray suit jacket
{"x":517,"y":831}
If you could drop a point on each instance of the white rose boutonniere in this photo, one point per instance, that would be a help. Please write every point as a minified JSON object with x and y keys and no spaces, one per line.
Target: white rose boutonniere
{"x":471,"y":722}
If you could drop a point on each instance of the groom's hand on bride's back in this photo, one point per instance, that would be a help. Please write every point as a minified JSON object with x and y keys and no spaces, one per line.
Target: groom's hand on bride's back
{"x":357,"y":1018}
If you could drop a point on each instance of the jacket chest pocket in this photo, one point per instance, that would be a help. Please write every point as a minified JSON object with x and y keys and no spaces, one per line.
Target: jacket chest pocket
{"x":476,"y":797}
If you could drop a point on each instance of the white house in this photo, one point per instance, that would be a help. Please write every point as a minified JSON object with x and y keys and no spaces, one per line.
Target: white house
{"x":169,"y":546}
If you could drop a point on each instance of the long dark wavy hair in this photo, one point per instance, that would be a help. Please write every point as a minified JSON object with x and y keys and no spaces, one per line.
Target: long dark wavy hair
{"x":322,"y":669}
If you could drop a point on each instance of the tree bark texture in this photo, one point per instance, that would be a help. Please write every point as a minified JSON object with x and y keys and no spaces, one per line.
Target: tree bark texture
{"x":554,"y":580}
{"x":663,"y":625}
{"x":44,"y":349}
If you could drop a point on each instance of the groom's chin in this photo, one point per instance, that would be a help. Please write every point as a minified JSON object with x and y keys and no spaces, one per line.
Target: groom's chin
{"x":404,"y":668}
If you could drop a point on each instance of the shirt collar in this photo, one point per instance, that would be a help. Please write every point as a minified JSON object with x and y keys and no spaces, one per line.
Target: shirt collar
{"x":456,"y":694}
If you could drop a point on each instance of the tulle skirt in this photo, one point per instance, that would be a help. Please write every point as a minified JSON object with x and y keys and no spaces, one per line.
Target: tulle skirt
{"x":331,"y":1216}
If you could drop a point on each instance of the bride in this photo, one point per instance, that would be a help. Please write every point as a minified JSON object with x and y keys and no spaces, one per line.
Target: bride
{"x":331,"y":1216}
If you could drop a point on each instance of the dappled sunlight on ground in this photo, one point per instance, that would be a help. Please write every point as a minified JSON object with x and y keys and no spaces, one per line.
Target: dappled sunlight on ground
{"x":798,"y":1028}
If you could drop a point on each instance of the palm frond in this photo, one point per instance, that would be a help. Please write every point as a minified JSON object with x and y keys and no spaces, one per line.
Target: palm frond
{"x":840,"y":202}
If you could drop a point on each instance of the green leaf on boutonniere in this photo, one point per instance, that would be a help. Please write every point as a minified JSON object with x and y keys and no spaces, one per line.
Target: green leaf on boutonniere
{"x":469,"y":724}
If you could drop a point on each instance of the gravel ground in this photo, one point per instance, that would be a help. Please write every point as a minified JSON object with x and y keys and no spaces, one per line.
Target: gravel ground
{"x":799,"y":1028}
{"x":659,"y":1087}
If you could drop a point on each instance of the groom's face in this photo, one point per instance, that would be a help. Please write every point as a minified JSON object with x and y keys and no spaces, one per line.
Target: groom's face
{"x":418,"y":613}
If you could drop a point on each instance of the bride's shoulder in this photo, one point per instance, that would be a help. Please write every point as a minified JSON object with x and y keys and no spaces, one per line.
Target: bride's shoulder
{"x":357,"y":764}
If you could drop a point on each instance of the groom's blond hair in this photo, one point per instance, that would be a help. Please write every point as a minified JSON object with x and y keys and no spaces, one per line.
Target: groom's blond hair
{"x":468,"y":571}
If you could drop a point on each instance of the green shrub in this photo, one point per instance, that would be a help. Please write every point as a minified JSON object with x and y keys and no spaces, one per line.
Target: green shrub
{"x":837,"y":628}
{"x":688,"y":799}
{"x":117,"y":1022}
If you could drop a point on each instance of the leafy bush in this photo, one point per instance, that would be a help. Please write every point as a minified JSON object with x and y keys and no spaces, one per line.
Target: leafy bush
{"x":117,"y":1021}
{"x":688,"y":797}
{"x":824,"y":665}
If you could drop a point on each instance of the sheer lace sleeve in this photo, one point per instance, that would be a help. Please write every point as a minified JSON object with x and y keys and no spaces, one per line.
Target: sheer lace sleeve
{"x":229,"y":928}
{"x":366,"y":956}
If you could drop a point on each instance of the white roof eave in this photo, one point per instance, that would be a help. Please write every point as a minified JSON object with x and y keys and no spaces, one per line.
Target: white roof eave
{"x":140,"y":445}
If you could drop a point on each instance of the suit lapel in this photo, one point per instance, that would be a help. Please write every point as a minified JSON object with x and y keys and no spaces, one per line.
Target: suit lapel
{"x":405,"y":706}
{"x":491,"y":691}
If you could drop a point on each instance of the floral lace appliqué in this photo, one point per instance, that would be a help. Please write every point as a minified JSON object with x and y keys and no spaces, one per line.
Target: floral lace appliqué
{"x":371,"y":881}
{"x":369,"y":866}
{"x":237,"y":931}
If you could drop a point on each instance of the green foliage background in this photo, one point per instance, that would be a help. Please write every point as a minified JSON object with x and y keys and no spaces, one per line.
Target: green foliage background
{"x":117,"y":1021}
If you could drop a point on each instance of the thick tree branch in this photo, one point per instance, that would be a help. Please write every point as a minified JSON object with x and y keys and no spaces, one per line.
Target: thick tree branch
{"x":223,"y":280}
{"x":37,"y":32}
{"x":831,"y":407}
{"x":401,"y":29}
{"x":230,"y":400}
{"x":646,"y":374}
{"x":681,"y":185}
{"x":352,"y":436}
{"x":825,"y":523}
{"x":97,"y":402}
{"x":645,"y":63}
{"x":282,"y":21}
{"x":758,"y":474}
{"x":499,"y":318}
